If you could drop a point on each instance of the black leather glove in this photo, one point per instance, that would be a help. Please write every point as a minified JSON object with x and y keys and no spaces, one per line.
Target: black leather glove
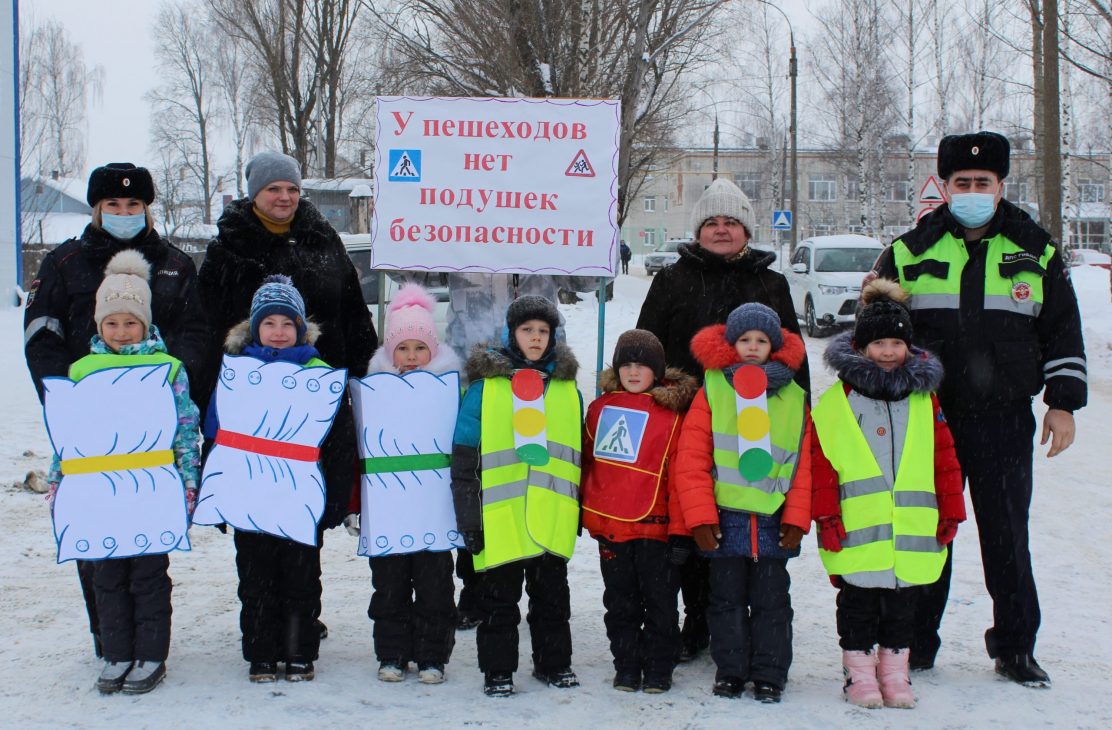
{"x":680,"y":548}
{"x":473,"y":539}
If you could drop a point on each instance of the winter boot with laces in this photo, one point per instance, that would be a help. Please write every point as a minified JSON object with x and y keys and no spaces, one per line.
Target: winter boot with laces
{"x":498,"y":684}
{"x":144,"y":677}
{"x":560,"y":679}
{"x":111,"y":678}
{"x":861,"y":688}
{"x":895,"y":685}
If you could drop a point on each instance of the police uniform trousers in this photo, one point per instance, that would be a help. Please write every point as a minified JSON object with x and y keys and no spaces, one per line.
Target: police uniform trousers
{"x":995,"y":448}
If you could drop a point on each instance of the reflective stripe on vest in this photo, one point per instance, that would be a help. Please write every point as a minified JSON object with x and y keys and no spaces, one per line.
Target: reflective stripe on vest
{"x":1013,"y":277}
{"x":785,"y":410}
{"x":105,"y":361}
{"x":890,"y":530}
{"x":529,"y":510}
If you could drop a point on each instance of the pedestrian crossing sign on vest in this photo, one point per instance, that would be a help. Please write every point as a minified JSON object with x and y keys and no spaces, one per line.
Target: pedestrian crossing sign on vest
{"x":781,"y":220}
{"x":620,"y":432}
{"x":405,"y":166}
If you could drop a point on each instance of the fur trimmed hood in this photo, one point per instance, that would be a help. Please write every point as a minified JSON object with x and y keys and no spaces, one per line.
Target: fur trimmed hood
{"x":446,"y":361}
{"x":491,"y":361}
{"x":675,"y":392}
{"x":920,"y":373}
{"x":239,"y":337}
{"x":710,"y":348}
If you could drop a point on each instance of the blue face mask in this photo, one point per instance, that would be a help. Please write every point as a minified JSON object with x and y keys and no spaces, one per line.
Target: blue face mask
{"x":973,"y":210}
{"x":123,"y":227}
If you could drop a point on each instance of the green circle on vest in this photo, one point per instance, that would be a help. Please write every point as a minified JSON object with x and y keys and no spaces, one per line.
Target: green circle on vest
{"x":535,"y":454}
{"x":755,"y":464}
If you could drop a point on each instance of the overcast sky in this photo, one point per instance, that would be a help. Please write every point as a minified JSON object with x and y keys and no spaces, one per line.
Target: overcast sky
{"x":116,"y":35}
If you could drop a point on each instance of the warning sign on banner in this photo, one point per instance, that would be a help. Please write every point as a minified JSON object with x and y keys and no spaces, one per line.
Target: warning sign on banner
{"x":496,"y":185}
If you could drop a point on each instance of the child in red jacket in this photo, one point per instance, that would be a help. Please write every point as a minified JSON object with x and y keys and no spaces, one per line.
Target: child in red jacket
{"x":629,"y":438}
{"x":743,"y":483}
{"x":887,"y":492}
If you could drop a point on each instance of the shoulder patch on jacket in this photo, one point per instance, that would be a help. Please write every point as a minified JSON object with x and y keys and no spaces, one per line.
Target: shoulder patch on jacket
{"x":33,"y":291}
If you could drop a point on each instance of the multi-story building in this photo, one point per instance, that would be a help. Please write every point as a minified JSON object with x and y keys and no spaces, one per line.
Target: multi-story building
{"x":829,"y":195}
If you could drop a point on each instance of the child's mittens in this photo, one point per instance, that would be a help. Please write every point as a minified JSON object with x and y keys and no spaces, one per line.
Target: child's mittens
{"x":473,"y":540}
{"x":680,"y":548}
{"x":831,"y":533}
{"x":947,"y":531}
{"x":790,"y":536}
{"x":706,"y":537}
{"x":190,"y":498}
{"x":351,"y":524}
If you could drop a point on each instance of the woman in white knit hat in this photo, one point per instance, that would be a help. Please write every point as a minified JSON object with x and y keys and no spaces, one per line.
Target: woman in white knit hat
{"x":713,"y":276}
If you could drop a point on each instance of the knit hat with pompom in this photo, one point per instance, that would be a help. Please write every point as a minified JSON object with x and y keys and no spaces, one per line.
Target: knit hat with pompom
{"x":410,"y":317}
{"x":126,"y":288}
{"x":884,"y":314}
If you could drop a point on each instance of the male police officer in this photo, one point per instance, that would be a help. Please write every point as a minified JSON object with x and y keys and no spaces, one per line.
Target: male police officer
{"x":990,"y":295}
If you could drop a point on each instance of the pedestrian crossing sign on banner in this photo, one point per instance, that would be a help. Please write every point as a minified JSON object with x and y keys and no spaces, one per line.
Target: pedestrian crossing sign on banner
{"x":781,"y":220}
{"x":405,"y":166}
{"x":620,"y":432}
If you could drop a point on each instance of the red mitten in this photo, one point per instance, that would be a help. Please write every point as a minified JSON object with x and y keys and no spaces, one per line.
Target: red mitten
{"x":831,"y":533}
{"x":947,"y":531}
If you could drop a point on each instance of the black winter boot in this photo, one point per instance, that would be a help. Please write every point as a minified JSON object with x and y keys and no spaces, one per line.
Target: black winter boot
{"x":1022,"y":669}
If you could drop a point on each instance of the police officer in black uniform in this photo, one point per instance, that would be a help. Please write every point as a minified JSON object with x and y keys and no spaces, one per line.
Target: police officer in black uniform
{"x":991,"y":296}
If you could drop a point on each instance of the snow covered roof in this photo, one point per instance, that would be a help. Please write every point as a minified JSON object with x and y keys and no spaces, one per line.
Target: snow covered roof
{"x":332,"y":183}
{"x":54,"y":227}
{"x":71,"y":186}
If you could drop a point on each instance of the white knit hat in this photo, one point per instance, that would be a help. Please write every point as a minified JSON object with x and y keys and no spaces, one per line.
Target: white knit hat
{"x":722,"y":197}
{"x":125,"y":289}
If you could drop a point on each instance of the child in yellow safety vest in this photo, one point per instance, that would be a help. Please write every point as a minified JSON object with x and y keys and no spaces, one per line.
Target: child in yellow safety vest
{"x":629,"y":440}
{"x":887,"y":492}
{"x":515,"y":484}
{"x":743,"y":483}
{"x":133,"y":593}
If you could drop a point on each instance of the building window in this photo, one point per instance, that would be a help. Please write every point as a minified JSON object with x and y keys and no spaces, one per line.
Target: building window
{"x":853,"y":189}
{"x":896,"y":191}
{"x":650,"y":204}
{"x":1090,"y":191}
{"x":822,"y":188}
{"x":664,"y":203}
{"x":750,"y":184}
{"x":1016,"y":192}
{"x":650,"y":238}
{"x":1089,"y":234}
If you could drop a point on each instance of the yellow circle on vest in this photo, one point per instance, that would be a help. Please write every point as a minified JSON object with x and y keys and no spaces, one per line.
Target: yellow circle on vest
{"x":752,"y":423}
{"x":529,"y":421}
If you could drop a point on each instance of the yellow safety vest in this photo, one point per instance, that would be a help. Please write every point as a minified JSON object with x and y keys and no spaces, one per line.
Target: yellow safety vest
{"x":732,"y":491}
{"x":529,"y":510}
{"x":1013,"y":277}
{"x":103,"y":361}
{"x":890,"y":528}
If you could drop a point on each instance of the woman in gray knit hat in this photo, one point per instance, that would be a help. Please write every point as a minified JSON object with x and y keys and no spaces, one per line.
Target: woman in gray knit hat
{"x":713,"y":276}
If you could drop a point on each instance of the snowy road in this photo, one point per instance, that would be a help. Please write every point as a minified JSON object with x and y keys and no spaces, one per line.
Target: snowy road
{"x":48,"y":654}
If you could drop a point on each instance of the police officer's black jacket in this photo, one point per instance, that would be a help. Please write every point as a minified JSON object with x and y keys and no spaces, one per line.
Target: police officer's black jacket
{"x":995,"y":358}
{"x":58,"y":321}
{"x":312,"y":254}
{"x":701,"y":289}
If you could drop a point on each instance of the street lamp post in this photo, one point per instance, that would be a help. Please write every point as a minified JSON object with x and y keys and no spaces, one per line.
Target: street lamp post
{"x":793,"y":74}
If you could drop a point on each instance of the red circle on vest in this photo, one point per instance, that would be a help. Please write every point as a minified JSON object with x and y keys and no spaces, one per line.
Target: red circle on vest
{"x":750,"y":381}
{"x":527,"y":384}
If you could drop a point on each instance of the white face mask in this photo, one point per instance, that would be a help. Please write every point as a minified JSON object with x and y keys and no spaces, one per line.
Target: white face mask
{"x":973,"y":210}
{"x":123,"y":227}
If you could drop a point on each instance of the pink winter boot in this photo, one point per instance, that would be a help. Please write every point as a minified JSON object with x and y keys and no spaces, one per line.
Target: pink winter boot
{"x":861,"y":687}
{"x":895,"y":686}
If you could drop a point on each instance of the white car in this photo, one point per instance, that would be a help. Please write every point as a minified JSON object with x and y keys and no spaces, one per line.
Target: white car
{"x":1089,"y":257}
{"x":665,"y":254}
{"x":825,"y":279}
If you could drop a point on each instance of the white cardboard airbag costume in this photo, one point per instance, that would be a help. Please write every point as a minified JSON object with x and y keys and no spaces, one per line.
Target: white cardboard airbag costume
{"x":406,"y":491}
{"x":120,"y":495}
{"x":263,"y":473}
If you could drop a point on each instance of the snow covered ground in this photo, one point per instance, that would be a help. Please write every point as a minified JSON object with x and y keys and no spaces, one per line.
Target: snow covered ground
{"x":47,"y":652}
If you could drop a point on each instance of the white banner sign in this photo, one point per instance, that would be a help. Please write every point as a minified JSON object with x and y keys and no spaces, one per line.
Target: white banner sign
{"x":496,"y":185}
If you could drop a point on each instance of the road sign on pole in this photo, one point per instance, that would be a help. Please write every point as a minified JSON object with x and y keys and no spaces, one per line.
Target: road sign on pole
{"x":931,"y":192}
{"x":781,"y":220}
